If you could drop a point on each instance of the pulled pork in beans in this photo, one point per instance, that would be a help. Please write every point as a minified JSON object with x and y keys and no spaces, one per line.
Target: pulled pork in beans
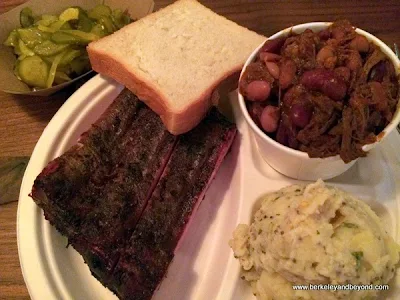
{"x":324,"y":93}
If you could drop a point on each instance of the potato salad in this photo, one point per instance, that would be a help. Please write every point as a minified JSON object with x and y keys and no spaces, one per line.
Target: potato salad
{"x":314,"y":234}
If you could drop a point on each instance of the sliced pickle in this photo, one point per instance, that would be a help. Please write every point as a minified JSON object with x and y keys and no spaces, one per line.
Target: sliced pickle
{"x":33,"y":71}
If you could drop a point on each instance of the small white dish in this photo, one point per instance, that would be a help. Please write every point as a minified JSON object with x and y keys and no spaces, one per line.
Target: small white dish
{"x":297,"y":164}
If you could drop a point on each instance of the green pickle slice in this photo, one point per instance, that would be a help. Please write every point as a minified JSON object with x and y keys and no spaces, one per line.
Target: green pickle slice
{"x":66,"y":38}
{"x":26,"y":17}
{"x":12,"y":39}
{"x":99,"y":11}
{"x":53,"y":69}
{"x":69,"y":14}
{"x":119,"y":18}
{"x":99,"y":30}
{"x":69,"y":56}
{"x":84,"y":37}
{"x":46,"y":20}
{"x":33,"y":71}
{"x":25,"y":51}
{"x":84,"y":22}
{"x":108,"y":24}
{"x":48,"y":48}
{"x":32,"y":36}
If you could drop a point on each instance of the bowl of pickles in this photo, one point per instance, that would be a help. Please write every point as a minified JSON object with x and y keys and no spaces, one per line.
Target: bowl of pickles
{"x":46,"y":51}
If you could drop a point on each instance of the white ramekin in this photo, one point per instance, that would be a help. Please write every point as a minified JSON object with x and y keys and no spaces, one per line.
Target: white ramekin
{"x":297,"y":164}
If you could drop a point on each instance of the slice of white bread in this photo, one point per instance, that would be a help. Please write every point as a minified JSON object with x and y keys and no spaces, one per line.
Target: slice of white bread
{"x":174,"y":58}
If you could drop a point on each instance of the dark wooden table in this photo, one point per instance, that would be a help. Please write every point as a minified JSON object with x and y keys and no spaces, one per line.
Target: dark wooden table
{"x":22,"y":119}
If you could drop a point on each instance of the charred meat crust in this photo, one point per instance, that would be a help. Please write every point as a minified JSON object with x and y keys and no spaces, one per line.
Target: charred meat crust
{"x":181,"y":187}
{"x":95,"y":193}
{"x":125,"y":192}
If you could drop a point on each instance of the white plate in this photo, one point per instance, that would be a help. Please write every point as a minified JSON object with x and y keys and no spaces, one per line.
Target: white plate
{"x":203,"y":267}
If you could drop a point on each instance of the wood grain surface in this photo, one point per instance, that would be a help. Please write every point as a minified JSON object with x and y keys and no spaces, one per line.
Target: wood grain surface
{"x":22,"y":119}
